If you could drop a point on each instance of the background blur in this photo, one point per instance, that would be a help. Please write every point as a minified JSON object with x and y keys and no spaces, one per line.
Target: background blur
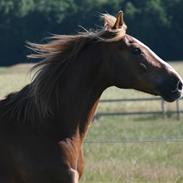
{"x":158,"y":23}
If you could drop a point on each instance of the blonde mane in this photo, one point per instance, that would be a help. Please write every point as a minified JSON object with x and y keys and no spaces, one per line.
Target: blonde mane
{"x":74,"y":43}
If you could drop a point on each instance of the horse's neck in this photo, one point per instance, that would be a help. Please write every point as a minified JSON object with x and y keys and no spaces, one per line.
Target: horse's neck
{"x":79,"y":111}
{"x":80,"y":96}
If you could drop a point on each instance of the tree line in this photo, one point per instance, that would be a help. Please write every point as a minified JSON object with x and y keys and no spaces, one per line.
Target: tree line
{"x":158,"y":23}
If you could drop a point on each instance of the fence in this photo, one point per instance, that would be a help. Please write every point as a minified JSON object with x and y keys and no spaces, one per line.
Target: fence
{"x":163,"y":110}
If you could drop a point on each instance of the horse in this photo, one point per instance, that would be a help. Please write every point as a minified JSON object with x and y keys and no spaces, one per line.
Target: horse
{"x":43,"y":126}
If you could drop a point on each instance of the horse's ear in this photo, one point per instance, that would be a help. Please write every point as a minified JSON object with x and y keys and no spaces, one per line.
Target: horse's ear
{"x":119,"y":20}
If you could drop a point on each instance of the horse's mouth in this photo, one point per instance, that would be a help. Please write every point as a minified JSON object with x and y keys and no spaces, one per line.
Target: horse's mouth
{"x":170,"y":91}
{"x":169,"y":95}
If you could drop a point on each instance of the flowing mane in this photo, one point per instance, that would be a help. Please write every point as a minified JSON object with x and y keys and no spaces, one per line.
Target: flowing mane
{"x":56,"y":56}
{"x":60,"y":44}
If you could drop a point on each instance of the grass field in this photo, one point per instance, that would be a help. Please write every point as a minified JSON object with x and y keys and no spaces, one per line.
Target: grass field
{"x":140,"y":153}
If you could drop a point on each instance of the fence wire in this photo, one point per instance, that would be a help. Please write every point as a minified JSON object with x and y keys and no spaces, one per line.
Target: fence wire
{"x":134,"y":141}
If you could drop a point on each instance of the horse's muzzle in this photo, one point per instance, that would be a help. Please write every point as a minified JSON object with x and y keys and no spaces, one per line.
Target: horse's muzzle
{"x":171,"y":89}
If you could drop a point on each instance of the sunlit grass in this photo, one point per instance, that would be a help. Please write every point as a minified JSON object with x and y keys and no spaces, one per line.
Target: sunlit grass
{"x":132,"y":157}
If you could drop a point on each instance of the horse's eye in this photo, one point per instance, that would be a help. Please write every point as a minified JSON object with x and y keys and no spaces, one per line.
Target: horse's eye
{"x":143,"y":67}
{"x":136,"y":51}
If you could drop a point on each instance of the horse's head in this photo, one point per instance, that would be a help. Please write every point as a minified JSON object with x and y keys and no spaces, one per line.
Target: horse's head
{"x":132,"y":64}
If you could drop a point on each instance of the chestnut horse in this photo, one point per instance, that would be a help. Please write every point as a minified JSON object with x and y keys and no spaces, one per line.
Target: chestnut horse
{"x":42,"y":127}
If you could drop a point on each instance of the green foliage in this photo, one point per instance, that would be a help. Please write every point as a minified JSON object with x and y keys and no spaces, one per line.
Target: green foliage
{"x":158,"y":23}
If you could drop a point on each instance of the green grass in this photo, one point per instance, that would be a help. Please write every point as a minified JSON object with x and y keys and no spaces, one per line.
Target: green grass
{"x":134,"y":162}
{"x":133,"y":158}
{"x":13,"y":78}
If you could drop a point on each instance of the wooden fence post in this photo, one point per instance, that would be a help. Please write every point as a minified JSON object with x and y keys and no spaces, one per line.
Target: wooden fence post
{"x":177,"y":109}
{"x":163,"y":108}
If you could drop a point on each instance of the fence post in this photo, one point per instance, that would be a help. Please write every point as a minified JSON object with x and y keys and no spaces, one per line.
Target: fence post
{"x":177,"y":109}
{"x":163,"y":108}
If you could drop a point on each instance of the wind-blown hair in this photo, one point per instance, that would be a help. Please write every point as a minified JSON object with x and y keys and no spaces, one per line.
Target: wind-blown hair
{"x":60,"y":43}
{"x":56,"y":56}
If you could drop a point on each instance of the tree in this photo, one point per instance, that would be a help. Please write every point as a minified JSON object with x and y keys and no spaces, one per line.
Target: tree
{"x":158,"y":23}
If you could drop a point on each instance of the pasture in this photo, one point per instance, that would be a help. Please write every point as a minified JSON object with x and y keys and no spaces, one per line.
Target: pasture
{"x":139,"y":149}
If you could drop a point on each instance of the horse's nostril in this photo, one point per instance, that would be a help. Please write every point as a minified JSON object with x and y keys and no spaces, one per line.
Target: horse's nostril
{"x":179,"y":86}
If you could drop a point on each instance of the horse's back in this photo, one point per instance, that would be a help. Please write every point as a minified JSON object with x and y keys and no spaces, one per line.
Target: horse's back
{"x":7,"y":171}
